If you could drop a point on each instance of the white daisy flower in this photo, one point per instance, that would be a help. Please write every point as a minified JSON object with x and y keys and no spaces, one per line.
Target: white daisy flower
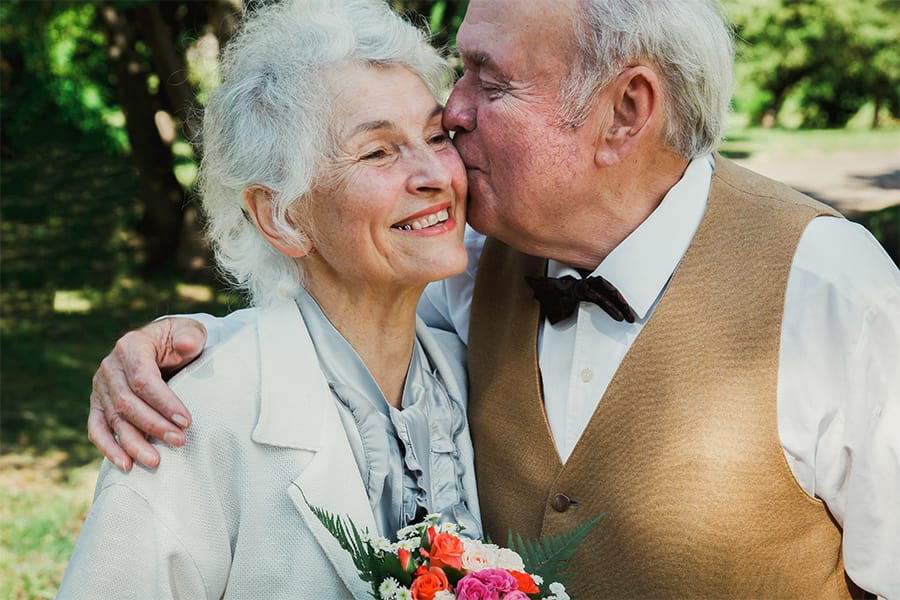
{"x":403,"y":594}
{"x":388,"y":589}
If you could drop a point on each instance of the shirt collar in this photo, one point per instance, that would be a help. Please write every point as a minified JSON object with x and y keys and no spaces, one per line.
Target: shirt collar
{"x":641,"y":265}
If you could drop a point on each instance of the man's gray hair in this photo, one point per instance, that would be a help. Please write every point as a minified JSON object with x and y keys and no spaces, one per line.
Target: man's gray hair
{"x":688,"y":41}
{"x":269,"y":123}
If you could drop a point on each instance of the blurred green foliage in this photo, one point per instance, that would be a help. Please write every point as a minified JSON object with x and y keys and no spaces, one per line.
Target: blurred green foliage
{"x":831,"y":56}
{"x":54,"y":67}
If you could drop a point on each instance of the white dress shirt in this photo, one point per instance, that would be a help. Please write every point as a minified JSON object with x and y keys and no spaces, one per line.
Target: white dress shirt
{"x":838,"y":401}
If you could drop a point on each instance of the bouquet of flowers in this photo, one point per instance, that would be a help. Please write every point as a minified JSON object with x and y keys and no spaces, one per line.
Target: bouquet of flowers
{"x":432,"y":561}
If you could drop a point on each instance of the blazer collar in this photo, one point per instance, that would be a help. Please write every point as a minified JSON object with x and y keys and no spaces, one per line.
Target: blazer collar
{"x":292,"y":386}
{"x":297,"y":410}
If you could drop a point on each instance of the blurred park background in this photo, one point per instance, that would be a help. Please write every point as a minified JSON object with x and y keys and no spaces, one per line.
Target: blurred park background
{"x":99,"y":229}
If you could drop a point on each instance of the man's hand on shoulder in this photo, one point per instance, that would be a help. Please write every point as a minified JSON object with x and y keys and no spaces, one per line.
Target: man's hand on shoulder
{"x":130,"y":397}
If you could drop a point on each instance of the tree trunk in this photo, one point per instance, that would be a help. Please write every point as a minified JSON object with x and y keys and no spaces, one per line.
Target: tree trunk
{"x":875,"y":120}
{"x":160,"y":193}
{"x":169,"y":64}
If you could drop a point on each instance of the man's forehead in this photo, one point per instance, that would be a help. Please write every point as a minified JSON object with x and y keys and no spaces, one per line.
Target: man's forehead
{"x":489,"y":26}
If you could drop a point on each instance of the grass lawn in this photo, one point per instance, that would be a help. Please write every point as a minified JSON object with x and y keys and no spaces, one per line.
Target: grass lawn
{"x":71,"y":286}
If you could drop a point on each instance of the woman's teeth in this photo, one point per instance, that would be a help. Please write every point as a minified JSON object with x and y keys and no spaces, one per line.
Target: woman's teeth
{"x":428,"y":221}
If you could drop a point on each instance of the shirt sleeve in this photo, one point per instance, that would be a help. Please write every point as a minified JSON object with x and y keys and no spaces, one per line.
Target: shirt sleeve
{"x":447,"y":304}
{"x":839,"y":392}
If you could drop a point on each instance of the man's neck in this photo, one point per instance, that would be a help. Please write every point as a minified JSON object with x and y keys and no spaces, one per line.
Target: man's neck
{"x":629,"y":193}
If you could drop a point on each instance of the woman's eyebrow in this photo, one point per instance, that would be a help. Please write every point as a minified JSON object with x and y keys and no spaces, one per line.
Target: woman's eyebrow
{"x":378,"y":124}
{"x":368,"y":126}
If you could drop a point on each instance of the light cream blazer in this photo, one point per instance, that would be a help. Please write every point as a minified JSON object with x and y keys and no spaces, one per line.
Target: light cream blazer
{"x":224,"y":516}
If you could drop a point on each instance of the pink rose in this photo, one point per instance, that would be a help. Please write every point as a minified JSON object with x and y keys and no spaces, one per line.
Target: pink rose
{"x":470,"y":588}
{"x":497,"y":579}
{"x":516,"y":595}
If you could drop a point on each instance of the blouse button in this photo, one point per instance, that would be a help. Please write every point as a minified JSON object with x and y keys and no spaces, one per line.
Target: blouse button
{"x":586,"y":375}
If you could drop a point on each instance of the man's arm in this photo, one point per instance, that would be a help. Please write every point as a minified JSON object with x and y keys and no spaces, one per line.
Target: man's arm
{"x":131,"y":399}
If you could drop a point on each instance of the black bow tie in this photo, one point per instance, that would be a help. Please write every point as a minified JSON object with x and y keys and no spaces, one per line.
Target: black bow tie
{"x":560,"y":297}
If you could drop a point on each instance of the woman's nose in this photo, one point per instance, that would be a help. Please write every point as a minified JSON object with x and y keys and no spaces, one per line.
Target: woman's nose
{"x":430,"y":173}
{"x":459,"y":113}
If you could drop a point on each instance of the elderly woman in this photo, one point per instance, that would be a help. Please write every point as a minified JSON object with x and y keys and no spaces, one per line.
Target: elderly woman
{"x":334,"y":196}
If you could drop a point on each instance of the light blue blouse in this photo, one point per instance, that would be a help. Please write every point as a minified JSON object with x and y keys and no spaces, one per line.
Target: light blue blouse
{"x":408,"y":459}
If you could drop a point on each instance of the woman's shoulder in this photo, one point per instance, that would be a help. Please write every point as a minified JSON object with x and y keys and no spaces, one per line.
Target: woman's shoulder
{"x":270,"y":350}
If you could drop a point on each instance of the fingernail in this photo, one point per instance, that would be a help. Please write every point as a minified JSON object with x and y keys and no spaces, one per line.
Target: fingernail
{"x":120,"y":464}
{"x":144,"y":458}
{"x":172,"y":438}
{"x":180,"y":420}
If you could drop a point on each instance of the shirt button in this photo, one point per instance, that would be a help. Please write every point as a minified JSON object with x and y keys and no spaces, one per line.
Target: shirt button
{"x":560,"y":502}
{"x":586,"y":375}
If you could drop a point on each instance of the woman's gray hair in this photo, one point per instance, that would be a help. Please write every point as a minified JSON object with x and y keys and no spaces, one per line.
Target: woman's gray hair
{"x":689,"y":42}
{"x":268,"y":124}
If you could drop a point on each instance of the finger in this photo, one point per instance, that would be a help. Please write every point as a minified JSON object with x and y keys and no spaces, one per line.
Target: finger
{"x":102,"y":436}
{"x":142,"y":380}
{"x":144,"y":417}
{"x":112,"y":395}
{"x":133,"y":441}
{"x":184,"y":342}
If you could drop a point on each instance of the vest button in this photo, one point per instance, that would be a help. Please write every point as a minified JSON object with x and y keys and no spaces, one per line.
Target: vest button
{"x":561,"y":502}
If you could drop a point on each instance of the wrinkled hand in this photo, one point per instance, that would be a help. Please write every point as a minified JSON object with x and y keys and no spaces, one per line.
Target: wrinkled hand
{"x":130,"y":398}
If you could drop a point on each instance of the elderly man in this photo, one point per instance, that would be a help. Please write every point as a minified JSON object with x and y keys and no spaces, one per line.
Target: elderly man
{"x":732,"y":400}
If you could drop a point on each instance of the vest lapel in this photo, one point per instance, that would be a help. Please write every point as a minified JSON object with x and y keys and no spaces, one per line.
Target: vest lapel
{"x":506,"y":317}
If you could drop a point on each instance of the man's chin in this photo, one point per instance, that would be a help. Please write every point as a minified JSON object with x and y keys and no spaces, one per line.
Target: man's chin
{"x":480,"y":220}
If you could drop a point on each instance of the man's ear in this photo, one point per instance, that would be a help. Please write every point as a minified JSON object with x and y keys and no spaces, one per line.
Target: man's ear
{"x":635,"y":105}
{"x":258,"y":200}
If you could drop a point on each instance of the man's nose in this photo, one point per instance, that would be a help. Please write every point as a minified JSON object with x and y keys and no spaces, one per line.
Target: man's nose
{"x":459,"y":113}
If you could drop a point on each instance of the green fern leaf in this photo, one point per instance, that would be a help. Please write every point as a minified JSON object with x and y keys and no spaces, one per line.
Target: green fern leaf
{"x":547,"y":557}
{"x":350,"y":539}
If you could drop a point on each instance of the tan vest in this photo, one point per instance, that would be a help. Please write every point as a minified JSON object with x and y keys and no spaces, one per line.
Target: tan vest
{"x":683,"y":450}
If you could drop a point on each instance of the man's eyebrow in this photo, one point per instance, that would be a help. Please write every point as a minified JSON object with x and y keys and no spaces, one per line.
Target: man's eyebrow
{"x":478,"y":58}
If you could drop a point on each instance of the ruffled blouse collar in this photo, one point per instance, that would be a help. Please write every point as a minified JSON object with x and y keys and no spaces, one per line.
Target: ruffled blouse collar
{"x":408,"y":459}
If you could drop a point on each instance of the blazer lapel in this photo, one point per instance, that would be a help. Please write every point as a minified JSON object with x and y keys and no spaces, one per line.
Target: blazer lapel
{"x":297,"y":410}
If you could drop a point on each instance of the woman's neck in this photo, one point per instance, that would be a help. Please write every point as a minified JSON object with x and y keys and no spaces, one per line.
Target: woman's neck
{"x":379,"y":324}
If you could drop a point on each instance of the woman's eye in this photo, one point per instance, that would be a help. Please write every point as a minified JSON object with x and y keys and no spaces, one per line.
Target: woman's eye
{"x":438,"y":139}
{"x":374,"y":154}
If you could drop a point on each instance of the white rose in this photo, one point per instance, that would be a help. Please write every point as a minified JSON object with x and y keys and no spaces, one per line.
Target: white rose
{"x":477,"y":556}
{"x":507,"y":559}
{"x":444,"y":595}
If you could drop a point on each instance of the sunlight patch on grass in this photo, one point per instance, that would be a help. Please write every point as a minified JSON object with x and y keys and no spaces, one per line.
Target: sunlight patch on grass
{"x":70,"y":301}
{"x":199,"y":293}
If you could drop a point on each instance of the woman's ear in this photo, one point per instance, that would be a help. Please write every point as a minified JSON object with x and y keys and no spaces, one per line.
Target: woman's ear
{"x":258,"y":200}
{"x":635,"y":104}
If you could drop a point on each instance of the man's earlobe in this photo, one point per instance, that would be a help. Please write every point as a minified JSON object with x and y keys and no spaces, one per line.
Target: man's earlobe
{"x":259,"y":204}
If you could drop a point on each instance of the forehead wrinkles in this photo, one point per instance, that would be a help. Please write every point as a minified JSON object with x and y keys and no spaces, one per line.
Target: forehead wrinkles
{"x":523,"y":42}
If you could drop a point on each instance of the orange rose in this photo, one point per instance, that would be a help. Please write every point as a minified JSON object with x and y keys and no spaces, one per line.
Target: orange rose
{"x":524,"y":582}
{"x":446,"y":551}
{"x":426,"y":585}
